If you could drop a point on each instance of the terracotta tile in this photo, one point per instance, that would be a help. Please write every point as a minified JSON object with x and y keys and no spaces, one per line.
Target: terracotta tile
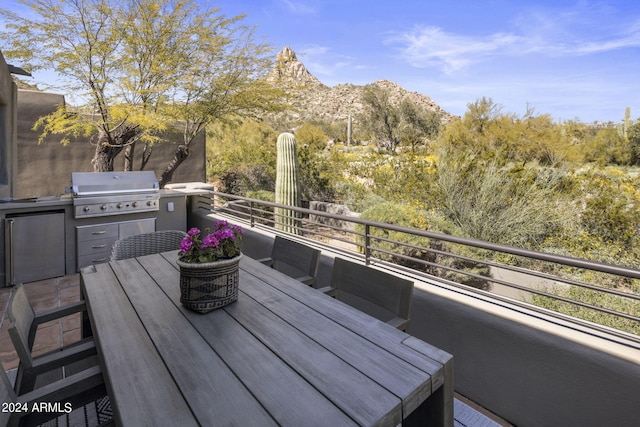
{"x":44,"y":302}
{"x":70,"y":280}
{"x":69,"y":294}
{"x":5,"y":293}
{"x":48,"y":338}
{"x":70,"y":337}
{"x":10,"y":363}
{"x":72,"y":322}
{"x":43,"y":295}
{"x":8,"y":354}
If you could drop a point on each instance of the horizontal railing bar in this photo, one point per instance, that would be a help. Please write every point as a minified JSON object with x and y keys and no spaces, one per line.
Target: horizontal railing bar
{"x":438,"y":281}
{"x":512,"y":268}
{"x":249,"y":211}
{"x":520,"y":287}
{"x":558,"y":259}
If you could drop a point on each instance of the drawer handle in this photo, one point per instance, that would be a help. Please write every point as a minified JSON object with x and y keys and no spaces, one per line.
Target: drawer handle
{"x":98,"y":246}
{"x":98,"y":232}
{"x":100,"y":260}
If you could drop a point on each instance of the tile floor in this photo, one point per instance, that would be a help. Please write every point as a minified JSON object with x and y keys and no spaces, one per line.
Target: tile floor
{"x":43,"y":295}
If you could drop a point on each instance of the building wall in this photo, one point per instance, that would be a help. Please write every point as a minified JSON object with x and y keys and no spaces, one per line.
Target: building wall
{"x":45,"y":169}
{"x":8,"y":111}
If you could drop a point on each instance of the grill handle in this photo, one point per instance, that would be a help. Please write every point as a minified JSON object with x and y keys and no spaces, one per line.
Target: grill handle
{"x":9,"y":257}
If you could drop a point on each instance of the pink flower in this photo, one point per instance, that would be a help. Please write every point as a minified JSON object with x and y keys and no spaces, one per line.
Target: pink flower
{"x":224,"y":233}
{"x":220,"y":224}
{"x":223,"y":242}
{"x":186,"y":244}
{"x":210,"y":241}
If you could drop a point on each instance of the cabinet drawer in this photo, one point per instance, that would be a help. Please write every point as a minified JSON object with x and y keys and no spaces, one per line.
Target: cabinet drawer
{"x":97,"y":232}
{"x":96,"y":246}
{"x":90,"y":259}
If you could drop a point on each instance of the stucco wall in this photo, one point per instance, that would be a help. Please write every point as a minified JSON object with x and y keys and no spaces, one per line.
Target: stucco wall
{"x":8,"y":111}
{"x":45,"y":169}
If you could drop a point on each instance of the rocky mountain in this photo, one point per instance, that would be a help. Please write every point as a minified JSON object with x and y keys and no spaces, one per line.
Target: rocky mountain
{"x":312,"y":100}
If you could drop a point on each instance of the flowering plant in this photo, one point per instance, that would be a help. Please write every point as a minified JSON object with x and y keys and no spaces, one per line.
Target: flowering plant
{"x":223,"y":242}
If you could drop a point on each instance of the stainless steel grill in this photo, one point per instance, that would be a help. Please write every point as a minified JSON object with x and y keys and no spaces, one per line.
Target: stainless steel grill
{"x":114,"y":193}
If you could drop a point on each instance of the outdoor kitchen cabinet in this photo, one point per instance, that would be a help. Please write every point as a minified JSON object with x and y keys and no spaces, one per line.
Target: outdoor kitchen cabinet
{"x":34,"y":246}
{"x":94,"y":242}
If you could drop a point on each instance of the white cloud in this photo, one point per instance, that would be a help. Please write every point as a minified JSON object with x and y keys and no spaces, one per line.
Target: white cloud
{"x":321,"y":61}
{"x":299,"y":7}
{"x":429,"y":46}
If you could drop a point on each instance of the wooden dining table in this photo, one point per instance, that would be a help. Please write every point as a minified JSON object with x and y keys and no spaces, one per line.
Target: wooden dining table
{"x":282,"y":354}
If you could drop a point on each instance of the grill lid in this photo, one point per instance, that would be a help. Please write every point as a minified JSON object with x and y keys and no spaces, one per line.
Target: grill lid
{"x":85,"y":184}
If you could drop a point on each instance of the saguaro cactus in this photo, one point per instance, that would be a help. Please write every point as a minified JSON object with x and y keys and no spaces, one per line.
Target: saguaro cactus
{"x":627,"y":122}
{"x":287,"y":185}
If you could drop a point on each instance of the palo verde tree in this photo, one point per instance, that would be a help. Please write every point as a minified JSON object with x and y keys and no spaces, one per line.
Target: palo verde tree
{"x":390,"y":123}
{"x":381,"y":118}
{"x":141,"y":67}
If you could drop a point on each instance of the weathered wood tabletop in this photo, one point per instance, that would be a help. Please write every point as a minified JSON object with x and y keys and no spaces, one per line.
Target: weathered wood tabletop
{"x":282,"y":354}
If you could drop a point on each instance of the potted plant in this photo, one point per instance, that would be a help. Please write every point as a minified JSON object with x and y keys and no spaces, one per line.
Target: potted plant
{"x":209,"y":266}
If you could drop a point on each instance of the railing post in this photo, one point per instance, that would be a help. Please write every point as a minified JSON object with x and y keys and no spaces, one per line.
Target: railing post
{"x":367,"y":242}
{"x":251,"y":221}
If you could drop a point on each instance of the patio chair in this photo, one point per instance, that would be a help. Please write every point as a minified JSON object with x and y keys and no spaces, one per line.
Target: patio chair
{"x":147,"y":244}
{"x":34,"y":371}
{"x":294,"y":259}
{"x":380,"y":294}
{"x":69,"y":393}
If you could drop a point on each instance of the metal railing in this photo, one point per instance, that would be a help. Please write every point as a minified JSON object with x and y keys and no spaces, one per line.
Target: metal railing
{"x":472,"y":264}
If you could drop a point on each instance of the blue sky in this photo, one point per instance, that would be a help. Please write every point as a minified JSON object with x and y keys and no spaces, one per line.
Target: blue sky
{"x":570,"y":59}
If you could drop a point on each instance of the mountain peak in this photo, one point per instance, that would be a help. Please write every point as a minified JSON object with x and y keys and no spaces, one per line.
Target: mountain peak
{"x":312,"y":100}
{"x":288,"y":69}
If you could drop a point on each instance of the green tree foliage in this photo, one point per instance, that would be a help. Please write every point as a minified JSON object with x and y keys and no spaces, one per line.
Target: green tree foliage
{"x":141,"y":66}
{"x":402,"y":178}
{"x":242,"y":157}
{"x":420,"y":125}
{"x":311,"y":135}
{"x":489,"y":134}
{"x":633,"y":136}
{"x":612,"y":209}
{"x":389,"y":124}
{"x":608,"y":146}
{"x":382,"y":118}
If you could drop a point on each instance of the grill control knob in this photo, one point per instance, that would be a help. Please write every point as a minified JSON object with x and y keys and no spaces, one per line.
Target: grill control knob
{"x":119,"y":206}
{"x":86,"y":209}
{"x":103,"y":207}
{"x":135,"y":204}
{"x":151,"y":203}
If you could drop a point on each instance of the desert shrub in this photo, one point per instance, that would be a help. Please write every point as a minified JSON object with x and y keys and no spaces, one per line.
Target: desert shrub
{"x":239,"y":180}
{"x":260,"y":210}
{"x":621,"y":304}
{"x":267,"y":196}
{"x":395,"y":241}
{"x":508,"y":205}
{"x":406,"y":246}
{"x":240,"y":149}
{"x":357,"y":196}
{"x":312,"y":136}
{"x":611,"y":208}
{"x":608,"y":147}
{"x":316,"y":175}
